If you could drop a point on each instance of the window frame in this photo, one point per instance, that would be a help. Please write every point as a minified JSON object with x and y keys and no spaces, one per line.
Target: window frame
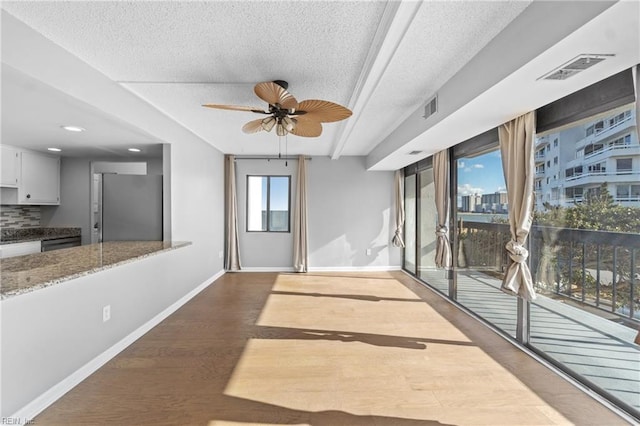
{"x":268,"y":207}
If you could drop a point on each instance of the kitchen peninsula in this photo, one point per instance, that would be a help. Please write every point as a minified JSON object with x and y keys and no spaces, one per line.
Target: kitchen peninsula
{"x":23,"y":274}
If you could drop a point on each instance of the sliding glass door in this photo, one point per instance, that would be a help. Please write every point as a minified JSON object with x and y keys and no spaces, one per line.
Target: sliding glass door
{"x":410,"y":223}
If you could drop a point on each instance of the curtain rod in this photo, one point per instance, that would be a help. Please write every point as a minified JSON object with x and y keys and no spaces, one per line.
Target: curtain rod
{"x":270,"y":158}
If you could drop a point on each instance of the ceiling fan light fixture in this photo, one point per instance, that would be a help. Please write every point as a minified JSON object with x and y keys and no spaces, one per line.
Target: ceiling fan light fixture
{"x":288,"y":123}
{"x":280,"y":130}
{"x":268,"y":123}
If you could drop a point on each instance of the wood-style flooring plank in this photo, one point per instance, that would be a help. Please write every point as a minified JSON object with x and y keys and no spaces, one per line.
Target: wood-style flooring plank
{"x":323,"y":349}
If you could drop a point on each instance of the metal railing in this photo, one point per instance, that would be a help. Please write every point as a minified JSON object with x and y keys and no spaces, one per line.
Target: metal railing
{"x":598,"y":269}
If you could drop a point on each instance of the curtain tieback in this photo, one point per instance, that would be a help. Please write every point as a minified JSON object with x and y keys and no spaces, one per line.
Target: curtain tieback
{"x":517,"y":252}
{"x":442,"y":231}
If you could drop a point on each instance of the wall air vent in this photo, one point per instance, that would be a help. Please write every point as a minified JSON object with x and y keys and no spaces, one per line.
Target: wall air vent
{"x":574,"y":66}
{"x":415,"y":152}
{"x":431,"y":107}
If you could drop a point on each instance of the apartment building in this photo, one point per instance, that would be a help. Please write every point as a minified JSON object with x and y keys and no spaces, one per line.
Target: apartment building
{"x":577,"y":161}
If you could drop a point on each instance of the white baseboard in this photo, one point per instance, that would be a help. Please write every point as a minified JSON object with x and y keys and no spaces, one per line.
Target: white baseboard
{"x":36,"y":406}
{"x":266,"y":269}
{"x":323,"y":269}
{"x":354,"y":268}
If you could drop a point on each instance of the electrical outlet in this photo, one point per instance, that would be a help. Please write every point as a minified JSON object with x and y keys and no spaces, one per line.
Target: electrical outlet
{"x":221,"y":254}
{"x":368,"y":252}
{"x":106,"y":313}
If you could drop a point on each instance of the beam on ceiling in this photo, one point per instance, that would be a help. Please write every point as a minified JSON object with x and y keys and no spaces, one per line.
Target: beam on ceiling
{"x":395,"y":22}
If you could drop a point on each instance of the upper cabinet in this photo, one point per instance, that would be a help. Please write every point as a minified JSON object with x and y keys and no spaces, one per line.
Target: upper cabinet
{"x":39,"y":179}
{"x":35,"y":175}
{"x":9,"y":172}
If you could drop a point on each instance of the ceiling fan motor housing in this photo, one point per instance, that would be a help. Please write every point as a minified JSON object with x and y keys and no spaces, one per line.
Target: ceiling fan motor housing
{"x":282,"y":84}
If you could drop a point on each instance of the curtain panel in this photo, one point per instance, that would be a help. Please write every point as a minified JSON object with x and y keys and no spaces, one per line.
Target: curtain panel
{"x":300,"y":227}
{"x":232,"y":247}
{"x":441,"y":186}
{"x":517,"y":140}
{"x":398,"y":238}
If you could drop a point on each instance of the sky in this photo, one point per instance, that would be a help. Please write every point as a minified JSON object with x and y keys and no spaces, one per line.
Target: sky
{"x":279,"y":192}
{"x":481,"y":174}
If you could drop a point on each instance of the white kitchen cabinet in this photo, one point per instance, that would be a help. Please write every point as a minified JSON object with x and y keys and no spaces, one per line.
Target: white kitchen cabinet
{"x":19,"y":249}
{"x":39,"y":178}
{"x":9,"y":173}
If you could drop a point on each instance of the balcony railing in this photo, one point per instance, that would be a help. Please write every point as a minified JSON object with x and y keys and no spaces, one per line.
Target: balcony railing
{"x":577,"y":176}
{"x":616,"y":149}
{"x":600,"y":134}
{"x":597,"y":269}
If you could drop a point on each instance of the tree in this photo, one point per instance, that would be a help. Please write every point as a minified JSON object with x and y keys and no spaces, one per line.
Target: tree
{"x":598,"y":211}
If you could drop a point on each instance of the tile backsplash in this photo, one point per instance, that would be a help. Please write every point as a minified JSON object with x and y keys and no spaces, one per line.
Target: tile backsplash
{"x":19,"y":216}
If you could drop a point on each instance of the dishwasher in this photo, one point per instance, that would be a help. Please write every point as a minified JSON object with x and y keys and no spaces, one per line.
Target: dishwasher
{"x":60,"y":243}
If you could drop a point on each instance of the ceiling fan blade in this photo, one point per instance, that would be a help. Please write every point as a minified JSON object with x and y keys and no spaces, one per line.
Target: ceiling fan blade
{"x":308,"y":129}
{"x":236,"y":108}
{"x":274,"y":94}
{"x":323,"y":111}
{"x":254,"y":126}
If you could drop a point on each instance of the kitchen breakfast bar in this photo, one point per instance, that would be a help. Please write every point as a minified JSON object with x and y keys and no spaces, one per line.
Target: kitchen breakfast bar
{"x":23,"y":274}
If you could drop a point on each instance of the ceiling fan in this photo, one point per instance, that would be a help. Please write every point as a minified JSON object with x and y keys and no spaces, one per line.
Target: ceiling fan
{"x":286,"y":114}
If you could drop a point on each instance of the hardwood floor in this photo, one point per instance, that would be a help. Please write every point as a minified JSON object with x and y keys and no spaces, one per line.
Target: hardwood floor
{"x":323,"y":349}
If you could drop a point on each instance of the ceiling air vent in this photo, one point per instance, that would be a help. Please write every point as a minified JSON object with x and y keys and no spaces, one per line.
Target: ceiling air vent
{"x":573,"y":67}
{"x":415,"y":152}
{"x":431,"y":107}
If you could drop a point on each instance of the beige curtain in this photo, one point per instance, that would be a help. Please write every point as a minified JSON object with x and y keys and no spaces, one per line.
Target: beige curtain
{"x":517,"y":139}
{"x":232,"y":248}
{"x":300,"y":229}
{"x":398,"y":239}
{"x":441,"y":187}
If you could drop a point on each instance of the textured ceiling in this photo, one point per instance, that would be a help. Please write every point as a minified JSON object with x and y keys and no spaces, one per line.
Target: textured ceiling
{"x":160,"y":61}
{"x":179,"y":55}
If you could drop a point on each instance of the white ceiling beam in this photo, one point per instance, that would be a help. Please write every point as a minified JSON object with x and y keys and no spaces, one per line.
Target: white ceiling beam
{"x":395,"y":22}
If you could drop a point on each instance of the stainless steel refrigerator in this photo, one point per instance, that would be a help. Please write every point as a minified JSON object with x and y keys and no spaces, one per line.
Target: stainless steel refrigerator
{"x":131,"y":207}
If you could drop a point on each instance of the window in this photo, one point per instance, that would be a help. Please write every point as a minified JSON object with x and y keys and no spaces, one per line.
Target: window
{"x":555,"y":143}
{"x":623,"y":165}
{"x":622,"y":191}
{"x":268,"y":202}
{"x":599,"y":126}
{"x":598,"y":167}
{"x":555,"y":160}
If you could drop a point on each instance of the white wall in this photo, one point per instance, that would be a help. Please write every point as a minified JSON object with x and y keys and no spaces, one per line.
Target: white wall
{"x":349,"y":212}
{"x":49,"y":334}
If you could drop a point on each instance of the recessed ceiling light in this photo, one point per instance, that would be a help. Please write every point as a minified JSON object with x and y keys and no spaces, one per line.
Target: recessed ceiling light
{"x":54,"y":149}
{"x":134,"y":149}
{"x":73,"y":128}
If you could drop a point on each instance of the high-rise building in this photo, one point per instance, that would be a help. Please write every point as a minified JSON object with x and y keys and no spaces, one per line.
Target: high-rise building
{"x":579,"y":160}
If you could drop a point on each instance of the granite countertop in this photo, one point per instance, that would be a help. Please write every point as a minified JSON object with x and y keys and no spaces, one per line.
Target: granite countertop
{"x":22,"y":235}
{"x":23,"y":274}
